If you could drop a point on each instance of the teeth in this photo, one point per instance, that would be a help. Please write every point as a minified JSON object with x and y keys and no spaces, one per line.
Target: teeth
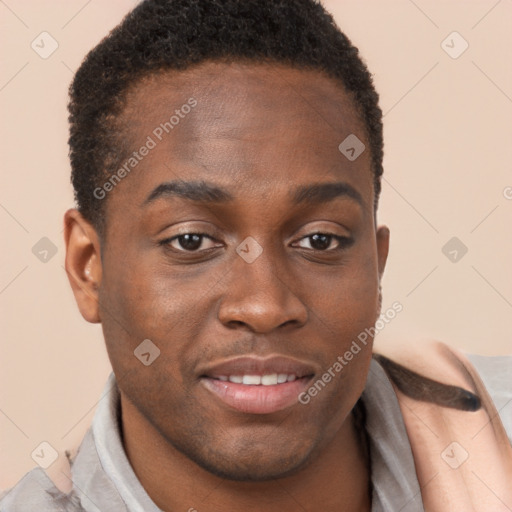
{"x":270,"y":379}
{"x":251,"y":379}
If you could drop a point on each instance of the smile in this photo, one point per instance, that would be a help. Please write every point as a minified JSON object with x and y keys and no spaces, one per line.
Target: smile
{"x":259,"y":380}
{"x":257,"y":385}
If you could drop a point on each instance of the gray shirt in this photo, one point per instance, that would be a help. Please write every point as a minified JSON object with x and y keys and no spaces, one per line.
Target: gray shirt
{"x":104,"y":481}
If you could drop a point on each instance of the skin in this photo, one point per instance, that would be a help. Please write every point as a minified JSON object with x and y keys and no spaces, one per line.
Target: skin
{"x":258,"y":130}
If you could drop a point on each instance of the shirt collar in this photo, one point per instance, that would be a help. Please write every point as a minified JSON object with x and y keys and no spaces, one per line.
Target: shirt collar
{"x":394,"y":480}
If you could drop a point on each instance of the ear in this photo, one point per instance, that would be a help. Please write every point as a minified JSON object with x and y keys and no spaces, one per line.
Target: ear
{"x":83,"y":263}
{"x":382,"y":237}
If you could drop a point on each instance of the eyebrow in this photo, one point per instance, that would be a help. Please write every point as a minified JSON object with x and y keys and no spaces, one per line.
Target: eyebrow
{"x":192,"y":190}
{"x":323,"y":192}
{"x":204,"y":192}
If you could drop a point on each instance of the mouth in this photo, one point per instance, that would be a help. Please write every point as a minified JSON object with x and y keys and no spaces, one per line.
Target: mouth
{"x":258,"y":386}
{"x":270,"y":379}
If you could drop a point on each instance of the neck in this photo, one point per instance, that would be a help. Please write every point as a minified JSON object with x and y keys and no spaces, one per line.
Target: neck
{"x":338,"y":478}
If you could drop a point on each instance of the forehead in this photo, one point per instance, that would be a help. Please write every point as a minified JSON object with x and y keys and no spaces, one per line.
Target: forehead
{"x":253,"y":127}
{"x":230,"y":95}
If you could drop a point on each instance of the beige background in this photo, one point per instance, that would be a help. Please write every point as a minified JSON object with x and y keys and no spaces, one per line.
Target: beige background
{"x":448,"y":127}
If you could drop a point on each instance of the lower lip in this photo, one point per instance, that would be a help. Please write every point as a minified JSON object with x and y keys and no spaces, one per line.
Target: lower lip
{"x":257,"y":399}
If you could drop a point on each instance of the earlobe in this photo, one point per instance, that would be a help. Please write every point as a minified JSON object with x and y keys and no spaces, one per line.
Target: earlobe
{"x":83,"y":263}
{"x":382,"y":248}
{"x":382,"y":256}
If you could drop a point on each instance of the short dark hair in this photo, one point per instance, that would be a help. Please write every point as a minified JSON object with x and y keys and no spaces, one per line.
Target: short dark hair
{"x":161,"y":35}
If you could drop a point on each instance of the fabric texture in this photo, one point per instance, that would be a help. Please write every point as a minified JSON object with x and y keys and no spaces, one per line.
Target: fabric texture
{"x":463,"y":459}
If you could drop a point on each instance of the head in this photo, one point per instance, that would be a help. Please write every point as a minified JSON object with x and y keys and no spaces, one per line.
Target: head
{"x":218,"y":216}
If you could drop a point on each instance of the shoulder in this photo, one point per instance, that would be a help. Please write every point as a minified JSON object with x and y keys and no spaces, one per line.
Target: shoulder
{"x":496,"y":374}
{"x":36,"y":491}
{"x":445,"y":364}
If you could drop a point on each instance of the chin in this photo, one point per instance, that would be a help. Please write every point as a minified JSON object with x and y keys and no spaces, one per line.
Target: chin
{"x":258,"y":471}
{"x":254,"y":465}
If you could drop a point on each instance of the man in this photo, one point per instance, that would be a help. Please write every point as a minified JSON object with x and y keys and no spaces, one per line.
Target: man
{"x":226,"y":159}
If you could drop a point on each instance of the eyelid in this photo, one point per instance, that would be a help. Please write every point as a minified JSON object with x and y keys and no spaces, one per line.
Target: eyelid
{"x":343,"y":241}
{"x":169,"y":239}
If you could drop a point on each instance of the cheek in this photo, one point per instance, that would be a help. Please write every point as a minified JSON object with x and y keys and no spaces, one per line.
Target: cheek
{"x":345,"y":310}
{"x":155,"y":304}
{"x":348,"y":295}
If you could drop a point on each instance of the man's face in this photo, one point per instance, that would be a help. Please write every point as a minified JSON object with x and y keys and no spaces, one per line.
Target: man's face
{"x":257,"y":282}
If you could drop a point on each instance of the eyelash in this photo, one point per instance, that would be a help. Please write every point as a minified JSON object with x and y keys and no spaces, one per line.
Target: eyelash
{"x":343,"y":242}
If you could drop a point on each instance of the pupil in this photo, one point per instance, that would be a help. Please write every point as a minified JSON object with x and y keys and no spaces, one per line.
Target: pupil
{"x":320,"y":241}
{"x":190,"y":242}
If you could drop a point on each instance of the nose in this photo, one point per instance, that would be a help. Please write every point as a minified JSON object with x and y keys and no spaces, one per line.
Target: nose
{"x":260,"y":298}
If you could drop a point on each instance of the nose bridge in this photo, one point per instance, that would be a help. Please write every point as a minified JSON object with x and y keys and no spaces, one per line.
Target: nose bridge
{"x":259,"y":295}
{"x":260,"y":277}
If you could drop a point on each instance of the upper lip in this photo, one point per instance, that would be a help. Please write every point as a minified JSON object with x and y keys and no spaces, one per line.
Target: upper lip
{"x":253,"y":365}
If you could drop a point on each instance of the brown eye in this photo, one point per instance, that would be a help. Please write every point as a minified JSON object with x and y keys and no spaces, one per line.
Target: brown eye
{"x":187,"y":242}
{"x":322,"y":242}
{"x":190,"y":242}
